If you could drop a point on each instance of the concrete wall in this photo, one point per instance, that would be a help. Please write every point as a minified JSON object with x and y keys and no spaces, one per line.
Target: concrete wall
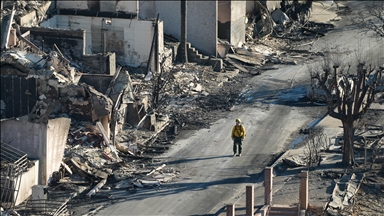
{"x":147,"y":9}
{"x":130,"y":39}
{"x":28,"y":179}
{"x":26,"y":136}
{"x":126,"y":6}
{"x":104,"y":5}
{"x":238,"y":15}
{"x":44,"y":141}
{"x":57,"y":134}
{"x":78,"y":4}
{"x":202,"y":22}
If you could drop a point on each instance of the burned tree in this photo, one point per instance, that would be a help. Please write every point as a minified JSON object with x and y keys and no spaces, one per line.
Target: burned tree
{"x":372,"y":18}
{"x":162,"y":83}
{"x":349,"y":94}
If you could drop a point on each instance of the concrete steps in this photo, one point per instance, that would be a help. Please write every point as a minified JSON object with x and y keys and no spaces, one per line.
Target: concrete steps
{"x":283,"y":211}
{"x":195,"y":56}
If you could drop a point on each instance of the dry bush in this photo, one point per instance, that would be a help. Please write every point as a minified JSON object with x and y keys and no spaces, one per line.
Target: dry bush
{"x":377,"y":152}
{"x":315,"y":141}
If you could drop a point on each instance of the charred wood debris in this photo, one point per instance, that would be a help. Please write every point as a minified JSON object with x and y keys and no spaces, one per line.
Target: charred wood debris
{"x":128,"y":156}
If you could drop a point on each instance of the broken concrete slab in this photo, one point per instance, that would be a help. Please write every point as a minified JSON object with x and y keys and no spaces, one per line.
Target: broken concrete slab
{"x":344,"y":191}
{"x":253,"y":60}
{"x":294,"y":161}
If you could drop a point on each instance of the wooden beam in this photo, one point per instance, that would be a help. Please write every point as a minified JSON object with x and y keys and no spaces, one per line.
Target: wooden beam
{"x":33,"y":46}
{"x":96,"y":188}
{"x":61,"y":55}
{"x":157,"y":169}
{"x":100,"y":126}
{"x":66,"y":167}
{"x":25,"y":34}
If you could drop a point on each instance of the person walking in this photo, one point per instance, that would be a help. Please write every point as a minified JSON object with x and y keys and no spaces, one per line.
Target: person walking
{"x":238,"y":135}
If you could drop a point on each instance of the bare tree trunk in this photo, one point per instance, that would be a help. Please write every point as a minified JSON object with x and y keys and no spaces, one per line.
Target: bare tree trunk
{"x":348,"y":155}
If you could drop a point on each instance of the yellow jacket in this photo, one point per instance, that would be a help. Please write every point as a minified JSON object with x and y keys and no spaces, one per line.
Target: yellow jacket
{"x":238,"y":131}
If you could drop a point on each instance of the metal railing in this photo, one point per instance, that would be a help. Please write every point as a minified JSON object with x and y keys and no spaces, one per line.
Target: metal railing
{"x":13,"y":163}
{"x":45,"y":207}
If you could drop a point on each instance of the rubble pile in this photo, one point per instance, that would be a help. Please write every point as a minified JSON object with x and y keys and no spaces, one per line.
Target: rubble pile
{"x":88,"y":161}
{"x":39,"y":9}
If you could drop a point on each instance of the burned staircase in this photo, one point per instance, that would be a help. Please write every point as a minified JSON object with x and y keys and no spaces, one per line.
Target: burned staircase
{"x":195,"y":56}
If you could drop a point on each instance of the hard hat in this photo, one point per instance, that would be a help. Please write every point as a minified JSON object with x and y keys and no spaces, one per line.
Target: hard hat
{"x":238,"y":120}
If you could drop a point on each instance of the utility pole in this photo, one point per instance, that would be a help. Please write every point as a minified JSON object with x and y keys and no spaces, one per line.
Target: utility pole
{"x":183,"y":44}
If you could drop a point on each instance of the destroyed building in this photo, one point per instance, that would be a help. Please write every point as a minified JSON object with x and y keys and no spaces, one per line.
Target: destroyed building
{"x":69,"y":104}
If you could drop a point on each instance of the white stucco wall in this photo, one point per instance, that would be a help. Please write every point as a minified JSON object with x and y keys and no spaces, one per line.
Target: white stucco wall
{"x":202,"y":19}
{"x":169,"y":13}
{"x":130,"y":39}
{"x":28,"y":179}
{"x":57,"y":134}
{"x":201,"y":22}
{"x":238,"y":15}
{"x":26,"y":136}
